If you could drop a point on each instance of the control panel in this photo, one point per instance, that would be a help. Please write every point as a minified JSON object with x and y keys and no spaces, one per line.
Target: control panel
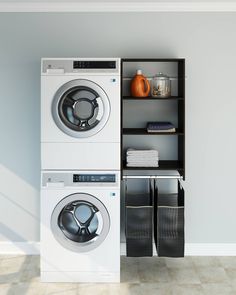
{"x":78,"y":179}
{"x":94,"y":178}
{"x":80,"y":65}
{"x":89,"y":64}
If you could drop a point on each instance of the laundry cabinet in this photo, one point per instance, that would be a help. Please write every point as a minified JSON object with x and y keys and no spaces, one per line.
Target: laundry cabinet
{"x":153,"y":197}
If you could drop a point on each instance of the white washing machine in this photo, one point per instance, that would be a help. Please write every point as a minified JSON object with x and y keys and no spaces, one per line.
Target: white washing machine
{"x":80,"y":226}
{"x":80,"y":113}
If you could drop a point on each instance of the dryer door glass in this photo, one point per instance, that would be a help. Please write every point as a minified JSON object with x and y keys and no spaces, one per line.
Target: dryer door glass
{"x":80,"y":108}
{"x":80,"y":222}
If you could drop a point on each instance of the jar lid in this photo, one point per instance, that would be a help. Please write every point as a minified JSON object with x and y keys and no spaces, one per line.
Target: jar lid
{"x":161,"y":76}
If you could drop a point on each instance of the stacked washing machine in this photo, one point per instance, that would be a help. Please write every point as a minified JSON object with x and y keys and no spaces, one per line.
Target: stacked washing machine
{"x":80,"y":160}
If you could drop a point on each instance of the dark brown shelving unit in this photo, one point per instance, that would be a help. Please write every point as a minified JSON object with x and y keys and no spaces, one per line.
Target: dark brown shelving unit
{"x":178,"y":98}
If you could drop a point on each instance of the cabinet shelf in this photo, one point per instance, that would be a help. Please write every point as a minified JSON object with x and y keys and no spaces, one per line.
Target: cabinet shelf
{"x":143,"y":131}
{"x":163,"y":165}
{"x":152,"y":98}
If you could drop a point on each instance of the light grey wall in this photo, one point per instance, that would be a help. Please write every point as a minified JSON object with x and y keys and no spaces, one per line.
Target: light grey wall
{"x":207,"y":41}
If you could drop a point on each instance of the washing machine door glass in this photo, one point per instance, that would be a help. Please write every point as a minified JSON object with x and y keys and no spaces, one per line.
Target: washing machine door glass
{"x":80,"y":222}
{"x":80,"y":108}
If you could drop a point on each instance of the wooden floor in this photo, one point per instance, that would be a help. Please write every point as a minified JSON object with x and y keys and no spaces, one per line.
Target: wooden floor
{"x":139,"y":276}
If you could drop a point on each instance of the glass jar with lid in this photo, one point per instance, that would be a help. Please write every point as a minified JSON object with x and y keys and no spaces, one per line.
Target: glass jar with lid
{"x":161,"y":86}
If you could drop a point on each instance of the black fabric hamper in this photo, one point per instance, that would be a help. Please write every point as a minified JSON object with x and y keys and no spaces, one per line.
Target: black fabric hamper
{"x":139,"y":224}
{"x":169,"y":224}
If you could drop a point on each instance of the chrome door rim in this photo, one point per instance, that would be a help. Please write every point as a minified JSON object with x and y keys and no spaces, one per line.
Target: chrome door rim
{"x":104,"y":101}
{"x":76,"y":246}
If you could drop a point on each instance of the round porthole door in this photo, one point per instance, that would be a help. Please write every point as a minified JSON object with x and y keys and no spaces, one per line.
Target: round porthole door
{"x":80,"y":108}
{"x":80,"y":222}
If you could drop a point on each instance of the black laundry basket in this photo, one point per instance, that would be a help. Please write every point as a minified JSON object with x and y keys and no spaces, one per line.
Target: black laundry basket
{"x":139,"y":224}
{"x":169,"y":224}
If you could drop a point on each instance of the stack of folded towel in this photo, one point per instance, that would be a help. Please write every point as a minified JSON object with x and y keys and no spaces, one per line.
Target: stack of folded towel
{"x":142,"y":158}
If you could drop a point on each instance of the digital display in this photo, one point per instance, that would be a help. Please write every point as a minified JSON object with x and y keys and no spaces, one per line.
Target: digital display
{"x":83,"y":64}
{"x":94,"y":178}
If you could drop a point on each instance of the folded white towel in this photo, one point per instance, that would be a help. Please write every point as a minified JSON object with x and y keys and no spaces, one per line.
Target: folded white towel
{"x":133,"y":152}
{"x":138,"y":159}
{"x":151,"y":164}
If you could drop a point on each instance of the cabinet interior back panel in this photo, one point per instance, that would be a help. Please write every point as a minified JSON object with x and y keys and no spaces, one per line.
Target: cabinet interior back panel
{"x":166,"y":145}
{"x":137,"y":113}
{"x":149,"y":70}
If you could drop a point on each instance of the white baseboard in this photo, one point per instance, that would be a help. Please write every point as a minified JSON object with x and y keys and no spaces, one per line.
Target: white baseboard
{"x":19,"y":248}
{"x":191,"y":249}
{"x":210,"y":249}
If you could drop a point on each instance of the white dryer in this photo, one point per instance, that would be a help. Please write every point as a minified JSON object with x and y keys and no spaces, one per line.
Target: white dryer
{"x":80,"y":226}
{"x":80,"y":113}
